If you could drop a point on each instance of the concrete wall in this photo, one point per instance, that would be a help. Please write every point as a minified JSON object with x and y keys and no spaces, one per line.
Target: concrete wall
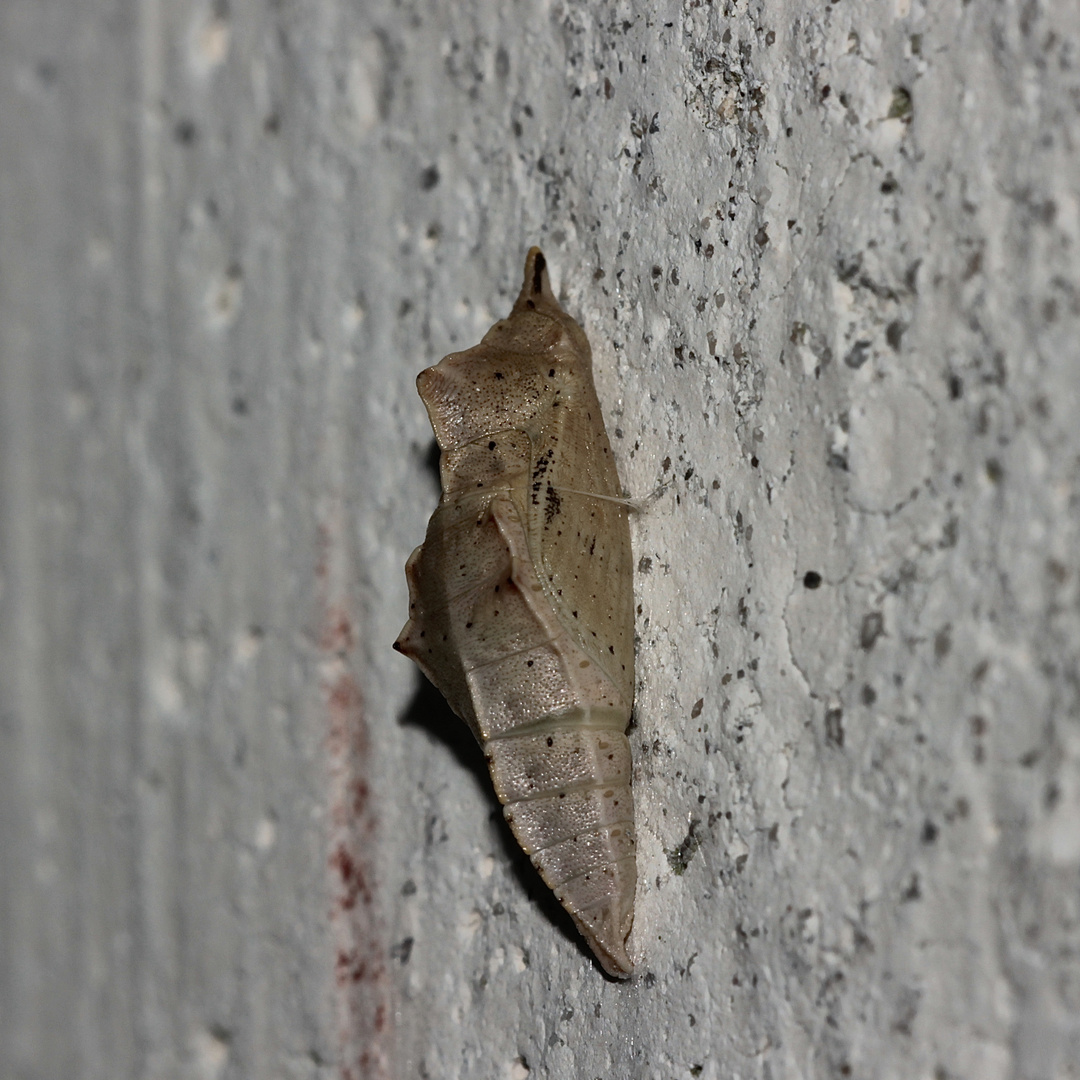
{"x":828,"y":259}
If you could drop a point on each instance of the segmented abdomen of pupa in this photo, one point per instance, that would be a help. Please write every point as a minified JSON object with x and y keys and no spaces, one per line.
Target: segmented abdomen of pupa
{"x":521,"y":601}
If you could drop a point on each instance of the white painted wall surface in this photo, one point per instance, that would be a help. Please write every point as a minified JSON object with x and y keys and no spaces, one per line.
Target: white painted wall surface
{"x":828,"y":259}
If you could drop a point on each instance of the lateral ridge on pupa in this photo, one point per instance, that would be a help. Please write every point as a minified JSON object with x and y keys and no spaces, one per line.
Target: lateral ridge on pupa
{"x":521,"y":601}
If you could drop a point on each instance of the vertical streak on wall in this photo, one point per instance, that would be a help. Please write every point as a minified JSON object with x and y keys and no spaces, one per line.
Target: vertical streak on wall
{"x":364,"y":1032}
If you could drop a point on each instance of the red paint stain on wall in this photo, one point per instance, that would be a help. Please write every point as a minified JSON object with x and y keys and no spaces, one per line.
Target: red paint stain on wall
{"x":337,"y":631}
{"x":360,"y":972}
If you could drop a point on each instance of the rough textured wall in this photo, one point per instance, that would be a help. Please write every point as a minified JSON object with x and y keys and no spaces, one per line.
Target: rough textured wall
{"x":827,"y":256}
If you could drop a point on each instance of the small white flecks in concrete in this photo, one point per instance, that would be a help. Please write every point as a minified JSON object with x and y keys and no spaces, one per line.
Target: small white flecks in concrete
{"x":165,"y":689}
{"x":265,"y":834}
{"x":211,"y":43}
{"x":364,"y":85}
{"x":209,"y":1053}
{"x":352,"y":316}
{"x":469,"y":923}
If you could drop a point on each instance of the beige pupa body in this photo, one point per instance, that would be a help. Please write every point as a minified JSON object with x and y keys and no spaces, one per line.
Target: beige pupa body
{"x":521,"y":601}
